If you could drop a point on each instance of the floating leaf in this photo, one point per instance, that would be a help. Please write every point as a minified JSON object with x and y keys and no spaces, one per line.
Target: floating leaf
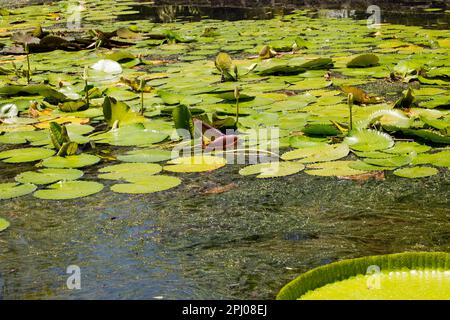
{"x":76,"y":161}
{"x":65,"y":190}
{"x":130,"y":135}
{"x":47,"y":176}
{"x":146,"y":155}
{"x":13,"y":190}
{"x":4,"y":224}
{"x":272,"y":169}
{"x":116,"y":111}
{"x":364,"y":61}
{"x":416,"y":172}
{"x":369,"y":140}
{"x":408,"y":147}
{"x":334,"y":168}
{"x":401,"y":275}
{"x":148,"y":184}
{"x":126,"y":171}
{"x":25,"y":155}
{"x":318,"y":153}
{"x":396,"y":161}
{"x":195,"y":164}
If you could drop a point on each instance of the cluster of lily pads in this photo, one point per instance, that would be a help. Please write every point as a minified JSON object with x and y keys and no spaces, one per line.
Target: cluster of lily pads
{"x":345,"y":103}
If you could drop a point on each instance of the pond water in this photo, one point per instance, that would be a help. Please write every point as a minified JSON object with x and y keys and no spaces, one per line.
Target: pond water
{"x":188,"y":243}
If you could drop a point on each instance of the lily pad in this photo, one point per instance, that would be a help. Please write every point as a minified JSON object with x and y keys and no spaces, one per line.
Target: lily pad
{"x":272,"y":169}
{"x":364,"y":61}
{"x":200,"y":163}
{"x":412,"y":275}
{"x":126,"y":171}
{"x":318,"y":153}
{"x":14,"y":189}
{"x":149,"y":184}
{"x":47,"y":176}
{"x":65,"y":190}
{"x":4,"y":224}
{"x":25,"y":155}
{"x":333,"y":168}
{"x":146,"y":155}
{"x":369,"y":140}
{"x":76,"y":161}
{"x":416,"y":172}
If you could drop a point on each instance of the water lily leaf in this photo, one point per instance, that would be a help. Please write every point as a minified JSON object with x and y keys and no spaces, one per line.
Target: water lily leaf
{"x":426,"y":134}
{"x":21,"y":137}
{"x":369,"y":140}
{"x":364,"y":166}
{"x":47,"y":176}
{"x":416,"y":172}
{"x":364,"y":61}
{"x":146,"y":155}
{"x":407,"y":100}
{"x":130,"y":135}
{"x":438,"y":159}
{"x":34,"y":90}
{"x":25,"y":155}
{"x":76,"y":161}
{"x":4,"y":224}
{"x":72,"y":106}
{"x":13,"y":190}
{"x":149,"y":184}
{"x":333,"y":169}
{"x":359,"y":95}
{"x":408,"y":147}
{"x":396,"y":161}
{"x":319,"y":153}
{"x":195,"y":164}
{"x":126,"y":171}
{"x":349,"y":279}
{"x":117,"y":111}
{"x":65,"y":190}
{"x":183,"y":121}
{"x":171,"y":98}
{"x":272,"y":169}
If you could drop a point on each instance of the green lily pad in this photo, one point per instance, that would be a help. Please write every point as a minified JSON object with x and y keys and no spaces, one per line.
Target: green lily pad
{"x":149,"y":184}
{"x":364,"y":166}
{"x":25,"y":155}
{"x":200,"y":163}
{"x":438,"y":159}
{"x":65,"y":190}
{"x":318,"y":153}
{"x":364,"y":61}
{"x":369,"y":140}
{"x":13,"y":190}
{"x":132,"y":135}
{"x":146,"y":155}
{"x":333,"y":169}
{"x":76,"y":161}
{"x":411,"y":275}
{"x":408,"y":147}
{"x":126,"y":171}
{"x":4,"y":224}
{"x":47,"y":176}
{"x":396,"y":161}
{"x":416,"y":172}
{"x":272,"y":169}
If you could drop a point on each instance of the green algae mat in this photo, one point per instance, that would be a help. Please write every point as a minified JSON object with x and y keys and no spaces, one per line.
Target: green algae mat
{"x":404,"y":276}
